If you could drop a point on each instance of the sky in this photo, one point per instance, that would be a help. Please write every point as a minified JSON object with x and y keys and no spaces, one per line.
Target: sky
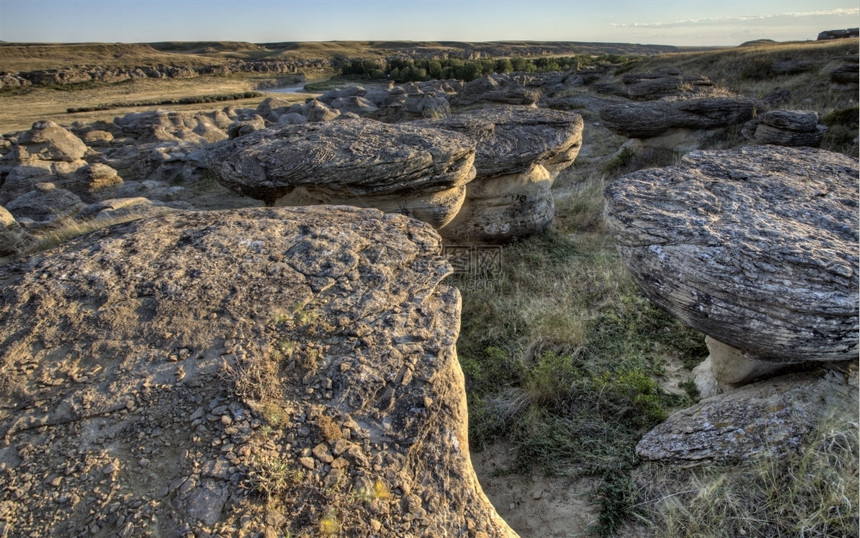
{"x":667,"y":22}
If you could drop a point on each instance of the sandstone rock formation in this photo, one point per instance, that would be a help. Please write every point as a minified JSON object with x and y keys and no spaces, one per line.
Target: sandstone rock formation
{"x":499,"y":89}
{"x":843,"y":72}
{"x":275,"y":370}
{"x":667,"y":82}
{"x":520,"y":151}
{"x":410,"y":101}
{"x":839,"y":34}
{"x":47,"y":141}
{"x":755,"y":247}
{"x":786,"y":128}
{"x":164,"y":125}
{"x":50,"y":154}
{"x":772,"y":417}
{"x":45,"y":204}
{"x":14,"y":240}
{"x":644,"y":120}
{"x":397,"y":168}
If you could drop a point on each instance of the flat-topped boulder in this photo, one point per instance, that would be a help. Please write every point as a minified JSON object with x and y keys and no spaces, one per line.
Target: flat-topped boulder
{"x":520,"y":151}
{"x":755,"y":247}
{"x":843,"y":72}
{"x":413,"y":170}
{"x":655,"y":118}
{"x":287,"y":370}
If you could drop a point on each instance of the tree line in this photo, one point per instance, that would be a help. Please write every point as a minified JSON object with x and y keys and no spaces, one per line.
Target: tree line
{"x":407,"y":70}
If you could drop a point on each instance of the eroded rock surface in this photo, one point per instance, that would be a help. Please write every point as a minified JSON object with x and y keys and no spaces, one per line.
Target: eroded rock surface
{"x":666,"y":82}
{"x":786,"y":128}
{"x":755,"y":247}
{"x":14,"y":240}
{"x":417,"y":171}
{"x":500,"y":89}
{"x":520,"y":151}
{"x":770,"y":418}
{"x":286,"y":370}
{"x":649,"y":119}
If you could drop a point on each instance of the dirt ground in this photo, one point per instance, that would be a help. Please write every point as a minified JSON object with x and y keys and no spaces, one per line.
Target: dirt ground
{"x":535,"y":505}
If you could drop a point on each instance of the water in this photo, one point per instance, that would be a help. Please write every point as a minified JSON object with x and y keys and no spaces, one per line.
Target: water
{"x":286,"y":89}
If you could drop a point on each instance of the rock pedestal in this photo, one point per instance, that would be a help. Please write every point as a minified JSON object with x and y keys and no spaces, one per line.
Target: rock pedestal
{"x":520,"y":151}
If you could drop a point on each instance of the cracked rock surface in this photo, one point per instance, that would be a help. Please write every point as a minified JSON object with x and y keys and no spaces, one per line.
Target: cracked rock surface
{"x":755,"y":247}
{"x":771,"y":417}
{"x":272,"y":371}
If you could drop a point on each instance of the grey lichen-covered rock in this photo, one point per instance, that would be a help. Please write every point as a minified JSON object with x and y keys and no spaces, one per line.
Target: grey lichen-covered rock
{"x":520,"y":151}
{"x":644,"y":120}
{"x":756,"y":247}
{"x":658,"y":84}
{"x":286,"y":370}
{"x":768,"y":418}
{"x":398,"y":168}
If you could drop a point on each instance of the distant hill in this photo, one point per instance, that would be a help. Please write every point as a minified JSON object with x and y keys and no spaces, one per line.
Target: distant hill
{"x":18,"y":57}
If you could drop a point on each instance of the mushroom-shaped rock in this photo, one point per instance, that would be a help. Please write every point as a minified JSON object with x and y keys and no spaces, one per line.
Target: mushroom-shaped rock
{"x":520,"y":151}
{"x":302,"y":355}
{"x":755,"y":247}
{"x":648,"y":119}
{"x":413,"y":170}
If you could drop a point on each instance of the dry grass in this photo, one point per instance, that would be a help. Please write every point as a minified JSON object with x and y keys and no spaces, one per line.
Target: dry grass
{"x":745,"y":70}
{"x":808,"y":493}
{"x":19,"y":110}
{"x":31,"y":57}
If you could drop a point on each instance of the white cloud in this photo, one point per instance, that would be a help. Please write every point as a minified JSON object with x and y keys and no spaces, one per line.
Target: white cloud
{"x":721,"y":20}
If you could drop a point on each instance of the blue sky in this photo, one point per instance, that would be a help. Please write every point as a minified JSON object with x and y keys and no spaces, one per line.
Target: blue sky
{"x":669,"y":22}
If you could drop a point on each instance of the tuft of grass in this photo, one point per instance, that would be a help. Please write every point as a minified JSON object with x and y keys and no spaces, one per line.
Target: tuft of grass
{"x":757,"y":68}
{"x":271,"y":476}
{"x":66,"y":229}
{"x":812,"y":492}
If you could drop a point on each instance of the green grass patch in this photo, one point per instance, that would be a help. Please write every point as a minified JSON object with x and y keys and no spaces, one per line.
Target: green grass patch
{"x":561,"y":354}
